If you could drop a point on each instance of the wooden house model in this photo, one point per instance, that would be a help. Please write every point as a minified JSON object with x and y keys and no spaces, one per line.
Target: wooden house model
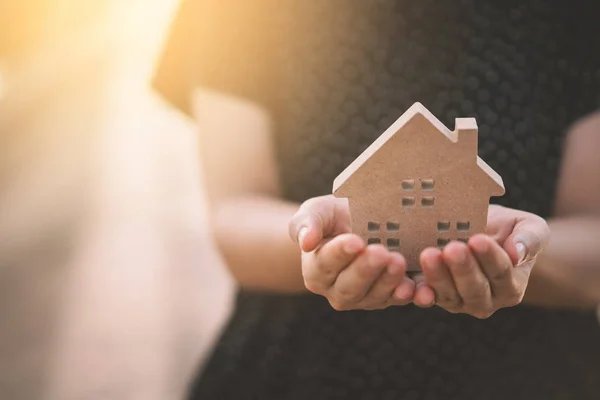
{"x":419,"y":185}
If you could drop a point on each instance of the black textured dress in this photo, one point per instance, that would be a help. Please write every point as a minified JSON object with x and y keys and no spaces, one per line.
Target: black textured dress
{"x":335,"y":74}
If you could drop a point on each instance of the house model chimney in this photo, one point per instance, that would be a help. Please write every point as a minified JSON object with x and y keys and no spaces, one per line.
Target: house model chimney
{"x":467,"y":131}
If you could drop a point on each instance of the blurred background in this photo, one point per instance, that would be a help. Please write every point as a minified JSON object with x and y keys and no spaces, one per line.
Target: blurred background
{"x":109,"y":285}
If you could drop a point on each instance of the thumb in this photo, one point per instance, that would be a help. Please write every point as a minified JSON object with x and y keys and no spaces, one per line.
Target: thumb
{"x":306,"y":229}
{"x":317,"y":218}
{"x":529,"y":237}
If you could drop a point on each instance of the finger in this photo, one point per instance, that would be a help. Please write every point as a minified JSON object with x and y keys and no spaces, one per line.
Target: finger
{"x":318,"y":218}
{"x":470,"y":281}
{"x":496,"y":265}
{"x":306,"y":229}
{"x":391,"y":277}
{"x":353,"y":283}
{"x":321,"y":268}
{"x":424,"y":294}
{"x":404,"y":293}
{"x":438,"y":276}
{"x":528,"y":238}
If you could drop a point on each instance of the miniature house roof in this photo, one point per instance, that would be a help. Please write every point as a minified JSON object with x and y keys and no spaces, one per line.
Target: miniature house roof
{"x":413,"y":111}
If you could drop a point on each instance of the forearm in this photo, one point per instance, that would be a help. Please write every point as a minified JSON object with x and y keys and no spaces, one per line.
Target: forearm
{"x":252,"y":234}
{"x":567,"y":275}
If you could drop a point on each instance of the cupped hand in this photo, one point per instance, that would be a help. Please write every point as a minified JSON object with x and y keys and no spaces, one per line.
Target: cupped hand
{"x":490,"y":272}
{"x":339,"y":266}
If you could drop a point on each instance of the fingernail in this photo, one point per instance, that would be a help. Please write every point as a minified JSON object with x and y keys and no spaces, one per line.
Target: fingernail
{"x":521,"y":251}
{"x":302,"y":233}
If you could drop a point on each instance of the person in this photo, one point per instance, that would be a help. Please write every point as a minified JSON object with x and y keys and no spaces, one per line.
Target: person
{"x":287,"y":94}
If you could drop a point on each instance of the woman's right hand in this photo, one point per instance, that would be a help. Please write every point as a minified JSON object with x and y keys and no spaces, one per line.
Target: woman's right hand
{"x":339,"y":266}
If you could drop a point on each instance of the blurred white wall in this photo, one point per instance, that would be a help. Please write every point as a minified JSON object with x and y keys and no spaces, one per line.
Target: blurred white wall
{"x":109,"y":284}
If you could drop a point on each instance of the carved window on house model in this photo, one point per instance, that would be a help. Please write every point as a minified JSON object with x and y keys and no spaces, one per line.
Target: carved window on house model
{"x":392,"y":226}
{"x":449,"y":231}
{"x":443,"y":226}
{"x":373,"y":226}
{"x":463,"y":226}
{"x":441,"y":242}
{"x":408,"y":202}
{"x":427,"y":201}
{"x":393,"y":244}
{"x":425,"y":185}
{"x":408,"y":185}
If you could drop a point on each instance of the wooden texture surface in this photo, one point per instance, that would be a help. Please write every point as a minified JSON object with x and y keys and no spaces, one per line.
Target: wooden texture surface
{"x":419,"y":185}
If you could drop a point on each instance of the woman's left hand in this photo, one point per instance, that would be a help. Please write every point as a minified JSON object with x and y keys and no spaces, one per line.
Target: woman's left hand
{"x":490,"y":272}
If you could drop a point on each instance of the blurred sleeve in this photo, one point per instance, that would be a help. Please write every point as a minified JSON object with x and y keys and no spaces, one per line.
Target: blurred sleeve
{"x":223,"y":45}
